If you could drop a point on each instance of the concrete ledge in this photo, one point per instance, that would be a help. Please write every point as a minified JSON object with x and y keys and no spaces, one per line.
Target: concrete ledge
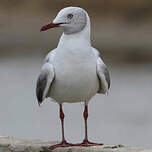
{"x":8,"y":144}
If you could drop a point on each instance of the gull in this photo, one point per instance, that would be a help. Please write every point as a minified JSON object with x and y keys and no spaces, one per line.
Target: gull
{"x":74,"y":71}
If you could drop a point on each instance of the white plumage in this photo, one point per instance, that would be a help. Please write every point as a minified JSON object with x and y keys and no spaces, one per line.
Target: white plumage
{"x":75,"y":72}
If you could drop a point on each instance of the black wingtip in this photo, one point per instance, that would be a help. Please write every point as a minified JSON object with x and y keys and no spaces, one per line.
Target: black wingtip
{"x":39,"y":104}
{"x":40,"y":87}
{"x":39,"y":98}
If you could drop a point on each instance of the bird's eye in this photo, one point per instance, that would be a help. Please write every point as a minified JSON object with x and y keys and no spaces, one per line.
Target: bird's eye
{"x":70,"y":16}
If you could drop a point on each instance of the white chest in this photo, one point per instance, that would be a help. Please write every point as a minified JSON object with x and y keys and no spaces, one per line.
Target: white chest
{"x":75,"y":76}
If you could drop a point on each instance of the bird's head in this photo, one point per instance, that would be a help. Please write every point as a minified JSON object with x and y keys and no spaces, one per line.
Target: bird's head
{"x":71,"y":19}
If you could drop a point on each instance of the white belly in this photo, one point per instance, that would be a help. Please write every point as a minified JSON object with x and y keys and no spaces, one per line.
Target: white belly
{"x":75,"y":81}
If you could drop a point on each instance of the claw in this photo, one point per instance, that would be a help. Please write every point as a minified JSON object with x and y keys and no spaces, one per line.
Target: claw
{"x":62,"y":144}
{"x":87,"y":143}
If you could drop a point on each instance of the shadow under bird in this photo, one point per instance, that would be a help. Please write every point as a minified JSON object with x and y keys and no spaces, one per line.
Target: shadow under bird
{"x":74,"y":71}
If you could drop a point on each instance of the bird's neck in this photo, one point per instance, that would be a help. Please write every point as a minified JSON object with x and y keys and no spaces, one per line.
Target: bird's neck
{"x":82,"y":37}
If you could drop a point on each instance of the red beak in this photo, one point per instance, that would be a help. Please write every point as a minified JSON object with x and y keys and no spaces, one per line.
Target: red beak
{"x":50,"y":25}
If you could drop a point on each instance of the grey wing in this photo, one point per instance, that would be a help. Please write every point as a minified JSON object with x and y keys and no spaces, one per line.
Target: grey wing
{"x":103,"y":74}
{"x":44,"y":82}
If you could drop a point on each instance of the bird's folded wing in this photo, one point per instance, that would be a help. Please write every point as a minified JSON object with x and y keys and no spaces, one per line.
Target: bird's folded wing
{"x":44,"y":81}
{"x":104,"y":76}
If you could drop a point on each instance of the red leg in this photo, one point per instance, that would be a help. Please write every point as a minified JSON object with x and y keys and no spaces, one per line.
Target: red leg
{"x":62,"y":121}
{"x":86,"y":142}
{"x":64,"y":142}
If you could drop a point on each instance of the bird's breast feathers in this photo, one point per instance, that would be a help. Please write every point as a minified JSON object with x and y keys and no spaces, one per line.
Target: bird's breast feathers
{"x":75,"y":78}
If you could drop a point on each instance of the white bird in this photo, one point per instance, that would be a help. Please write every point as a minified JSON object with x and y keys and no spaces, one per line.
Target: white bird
{"x":74,"y":71}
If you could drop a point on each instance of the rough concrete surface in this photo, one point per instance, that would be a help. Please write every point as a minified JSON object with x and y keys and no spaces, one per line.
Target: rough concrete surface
{"x":9,"y":144}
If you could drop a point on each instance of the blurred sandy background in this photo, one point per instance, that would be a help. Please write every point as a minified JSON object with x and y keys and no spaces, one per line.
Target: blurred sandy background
{"x":121,"y":30}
